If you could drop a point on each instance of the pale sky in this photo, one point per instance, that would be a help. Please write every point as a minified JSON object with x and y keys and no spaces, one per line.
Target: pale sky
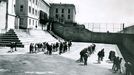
{"x":102,"y":11}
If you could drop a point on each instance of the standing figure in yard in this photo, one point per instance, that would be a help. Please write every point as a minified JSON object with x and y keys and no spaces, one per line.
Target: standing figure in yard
{"x":50,"y":49}
{"x":60,"y":48}
{"x":36,"y":48}
{"x":12,"y":46}
{"x":99,"y":56}
{"x":15,"y":45}
{"x":82,"y":54}
{"x":119,"y":65}
{"x":102,"y":54}
{"x":114,"y":64}
{"x":128,"y":66}
{"x":93,"y":47}
{"x":69,"y":44}
{"x":85,"y":58}
{"x":57,"y":45}
{"x":31,"y":48}
{"x":111,"y":55}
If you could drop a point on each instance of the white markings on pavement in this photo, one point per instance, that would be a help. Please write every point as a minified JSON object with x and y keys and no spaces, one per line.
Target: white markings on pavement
{"x":49,"y":72}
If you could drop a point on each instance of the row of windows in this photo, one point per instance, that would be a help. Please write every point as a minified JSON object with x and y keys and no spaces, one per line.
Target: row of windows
{"x":33,"y":11}
{"x":62,"y":11}
{"x":33,"y":22}
{"x":57,"y":16}
{"x":34,"y":1}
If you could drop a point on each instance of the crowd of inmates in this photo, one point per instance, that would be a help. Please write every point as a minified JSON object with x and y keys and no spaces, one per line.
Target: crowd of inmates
{"x":47,"y":48}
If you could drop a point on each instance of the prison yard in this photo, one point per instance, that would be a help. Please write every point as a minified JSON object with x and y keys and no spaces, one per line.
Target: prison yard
{"x":43,"y":38}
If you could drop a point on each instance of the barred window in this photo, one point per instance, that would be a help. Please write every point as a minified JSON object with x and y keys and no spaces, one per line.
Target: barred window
{"x":62,"y":10}
{"x":68,"y":16}
{"x":33,"y":11}
{"x":21,"y":8}
{"x":56,"y":10}
{"x":29,"y":9}
{"x":68,"y":10}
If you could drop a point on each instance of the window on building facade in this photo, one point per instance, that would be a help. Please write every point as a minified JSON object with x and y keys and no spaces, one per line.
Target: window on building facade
{"x":36,"y":23}
{"x":68,"y":10}
{"x":56,"y":16}
{"x":33,"y":1}
{"x":36,"y":2}
{"x":33,"y":11}
{"x":29,"y":21}
{"x":56,"y":10}
{"x":62,"y":10}
{"x":68,"y":16}
{"x":62,"y":15}
{"x":33,"y":22}
{"x":21,"y":8}
{"x":36,"y":12}
{"x":29,"y":9}
{"x":21,"y":21}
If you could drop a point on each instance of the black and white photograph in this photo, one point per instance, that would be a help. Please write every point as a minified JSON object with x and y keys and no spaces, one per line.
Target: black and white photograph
{"x":66,"y":37}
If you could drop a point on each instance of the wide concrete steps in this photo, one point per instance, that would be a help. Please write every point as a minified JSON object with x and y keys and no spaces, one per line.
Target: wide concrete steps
{"x":8,"y":37}
{"x":34,"y":36}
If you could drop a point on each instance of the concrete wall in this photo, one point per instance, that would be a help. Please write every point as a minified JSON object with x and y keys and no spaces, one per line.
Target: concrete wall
{"x":128,"y":30}
{"x":128,"y":43}
{"x":11,"y":14}
{"x":11,"y":22}
{"x":76,"y":33}
{"x":10,"y":17}
{"x":2,"y":15}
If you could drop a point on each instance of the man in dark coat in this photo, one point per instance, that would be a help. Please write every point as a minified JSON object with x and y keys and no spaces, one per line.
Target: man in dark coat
{"x":102,"y":54}
{"x":82,"y":54}
{"x":99,"y":56}
{"x":31,"y":48}
{"x":85,"y":58}
{"x":61,"y":48}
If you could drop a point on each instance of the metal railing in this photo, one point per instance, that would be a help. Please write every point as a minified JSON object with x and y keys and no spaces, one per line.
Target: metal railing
{"x":105,"y":27}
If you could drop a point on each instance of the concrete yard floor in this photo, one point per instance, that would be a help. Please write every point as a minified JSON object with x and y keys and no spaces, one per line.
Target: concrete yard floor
{"x":23,"y":63}
{"x":41,"y":64}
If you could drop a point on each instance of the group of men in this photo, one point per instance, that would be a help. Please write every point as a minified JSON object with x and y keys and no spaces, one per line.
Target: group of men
{"x":86,"y":52}
{"x":49,"y":48}
{"x":64,"y":46}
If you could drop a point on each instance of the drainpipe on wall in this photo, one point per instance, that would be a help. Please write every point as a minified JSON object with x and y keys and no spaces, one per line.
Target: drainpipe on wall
{"x":6,"y":27}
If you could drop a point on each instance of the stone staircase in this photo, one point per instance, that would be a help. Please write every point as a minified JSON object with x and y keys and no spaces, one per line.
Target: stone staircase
{"x":8,"y":37}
